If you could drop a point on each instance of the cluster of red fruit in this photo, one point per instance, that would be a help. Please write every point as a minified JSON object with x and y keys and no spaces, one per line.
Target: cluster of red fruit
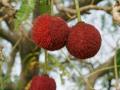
{"x":52,"y":33}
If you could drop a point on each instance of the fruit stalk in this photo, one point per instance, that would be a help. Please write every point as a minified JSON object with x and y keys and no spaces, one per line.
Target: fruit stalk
{"x":46,"y":62}
{"x":77,"y":10}
{"x":46,"y":53}
{"x":52,"y":7}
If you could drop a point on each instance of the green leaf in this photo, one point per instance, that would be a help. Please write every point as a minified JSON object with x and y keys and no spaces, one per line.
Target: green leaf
{"x":118,"y":56}
{"x":118,"y":59}
{"x":45,"y":6}
{"x":54,"y":62}
{"x":44,"y":9}
{"x":23,"y":13}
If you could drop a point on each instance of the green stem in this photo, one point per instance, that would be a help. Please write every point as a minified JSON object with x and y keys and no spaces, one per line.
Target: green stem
{"x":46,"y":62}
{"x":100,"y":70}
{"x":52,"y":3}
{"x":77,"y":10}
{"x":115,"y":69}
{"x":46,"y":53}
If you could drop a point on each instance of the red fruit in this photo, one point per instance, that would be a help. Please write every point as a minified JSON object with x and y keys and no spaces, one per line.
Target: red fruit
{"x":84,"y":41}
{"x":50,"y":32}
{"x":43,"y":83}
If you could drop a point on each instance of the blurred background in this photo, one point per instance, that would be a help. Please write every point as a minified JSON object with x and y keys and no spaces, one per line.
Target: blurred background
{"x":21,"y":59}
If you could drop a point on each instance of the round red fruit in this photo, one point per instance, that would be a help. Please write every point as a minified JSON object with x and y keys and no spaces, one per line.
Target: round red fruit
{"x":50,"y":32}
{"x":84,"y":41}
{"x":43,"y":83}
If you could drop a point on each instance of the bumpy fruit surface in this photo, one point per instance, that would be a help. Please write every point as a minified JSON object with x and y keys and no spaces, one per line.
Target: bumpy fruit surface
{"x":43,"y":83}
{"x":84,"y":41}
{"x":50,"y":32}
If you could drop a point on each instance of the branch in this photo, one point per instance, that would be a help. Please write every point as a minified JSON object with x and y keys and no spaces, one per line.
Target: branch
{"x":12,"y":57}
{"x":8,"y":35}
{"x":81,"y":2}
{"x":66,"y":12}
{"x":99,"y":71}
{"x":83,"y":10}
{"x":89,"y":7}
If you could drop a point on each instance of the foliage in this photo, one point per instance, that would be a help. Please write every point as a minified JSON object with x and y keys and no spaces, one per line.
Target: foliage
{"x":24,"y":12}
{"x":45,"y":6}
{"x":118,"y":56}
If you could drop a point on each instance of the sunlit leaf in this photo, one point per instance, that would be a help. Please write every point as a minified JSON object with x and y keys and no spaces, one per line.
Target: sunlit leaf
{"x":24,"y":12}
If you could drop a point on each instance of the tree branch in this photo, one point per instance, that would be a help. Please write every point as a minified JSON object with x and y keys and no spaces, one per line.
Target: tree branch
{"x":83,"y":10}
{"x":97,"y":73}
{"x":81,"y":2}
{"x":8,"y":35}
{"x":85,"y":5}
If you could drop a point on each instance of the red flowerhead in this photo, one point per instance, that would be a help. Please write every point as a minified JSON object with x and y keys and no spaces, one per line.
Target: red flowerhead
{"x":84,"y":41}
{"x":50,"y":32}
{"x":43,"y":83}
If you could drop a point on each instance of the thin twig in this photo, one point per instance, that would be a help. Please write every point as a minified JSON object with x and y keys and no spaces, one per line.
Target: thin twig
{"x":115,"y":70}
{"x":84,"y":9}
{"x":78,"y":10}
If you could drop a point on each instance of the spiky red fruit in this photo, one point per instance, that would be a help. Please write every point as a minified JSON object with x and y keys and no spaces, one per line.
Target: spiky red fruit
{"x":43,"y":83}
{"x":50,"y":32}
{"x":84,"y":41}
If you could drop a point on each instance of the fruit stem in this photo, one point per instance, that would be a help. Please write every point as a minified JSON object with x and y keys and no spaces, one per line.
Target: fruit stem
{"x":46,"y":62}
{"x":52,"y":7}
{"x":77,"y":10}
